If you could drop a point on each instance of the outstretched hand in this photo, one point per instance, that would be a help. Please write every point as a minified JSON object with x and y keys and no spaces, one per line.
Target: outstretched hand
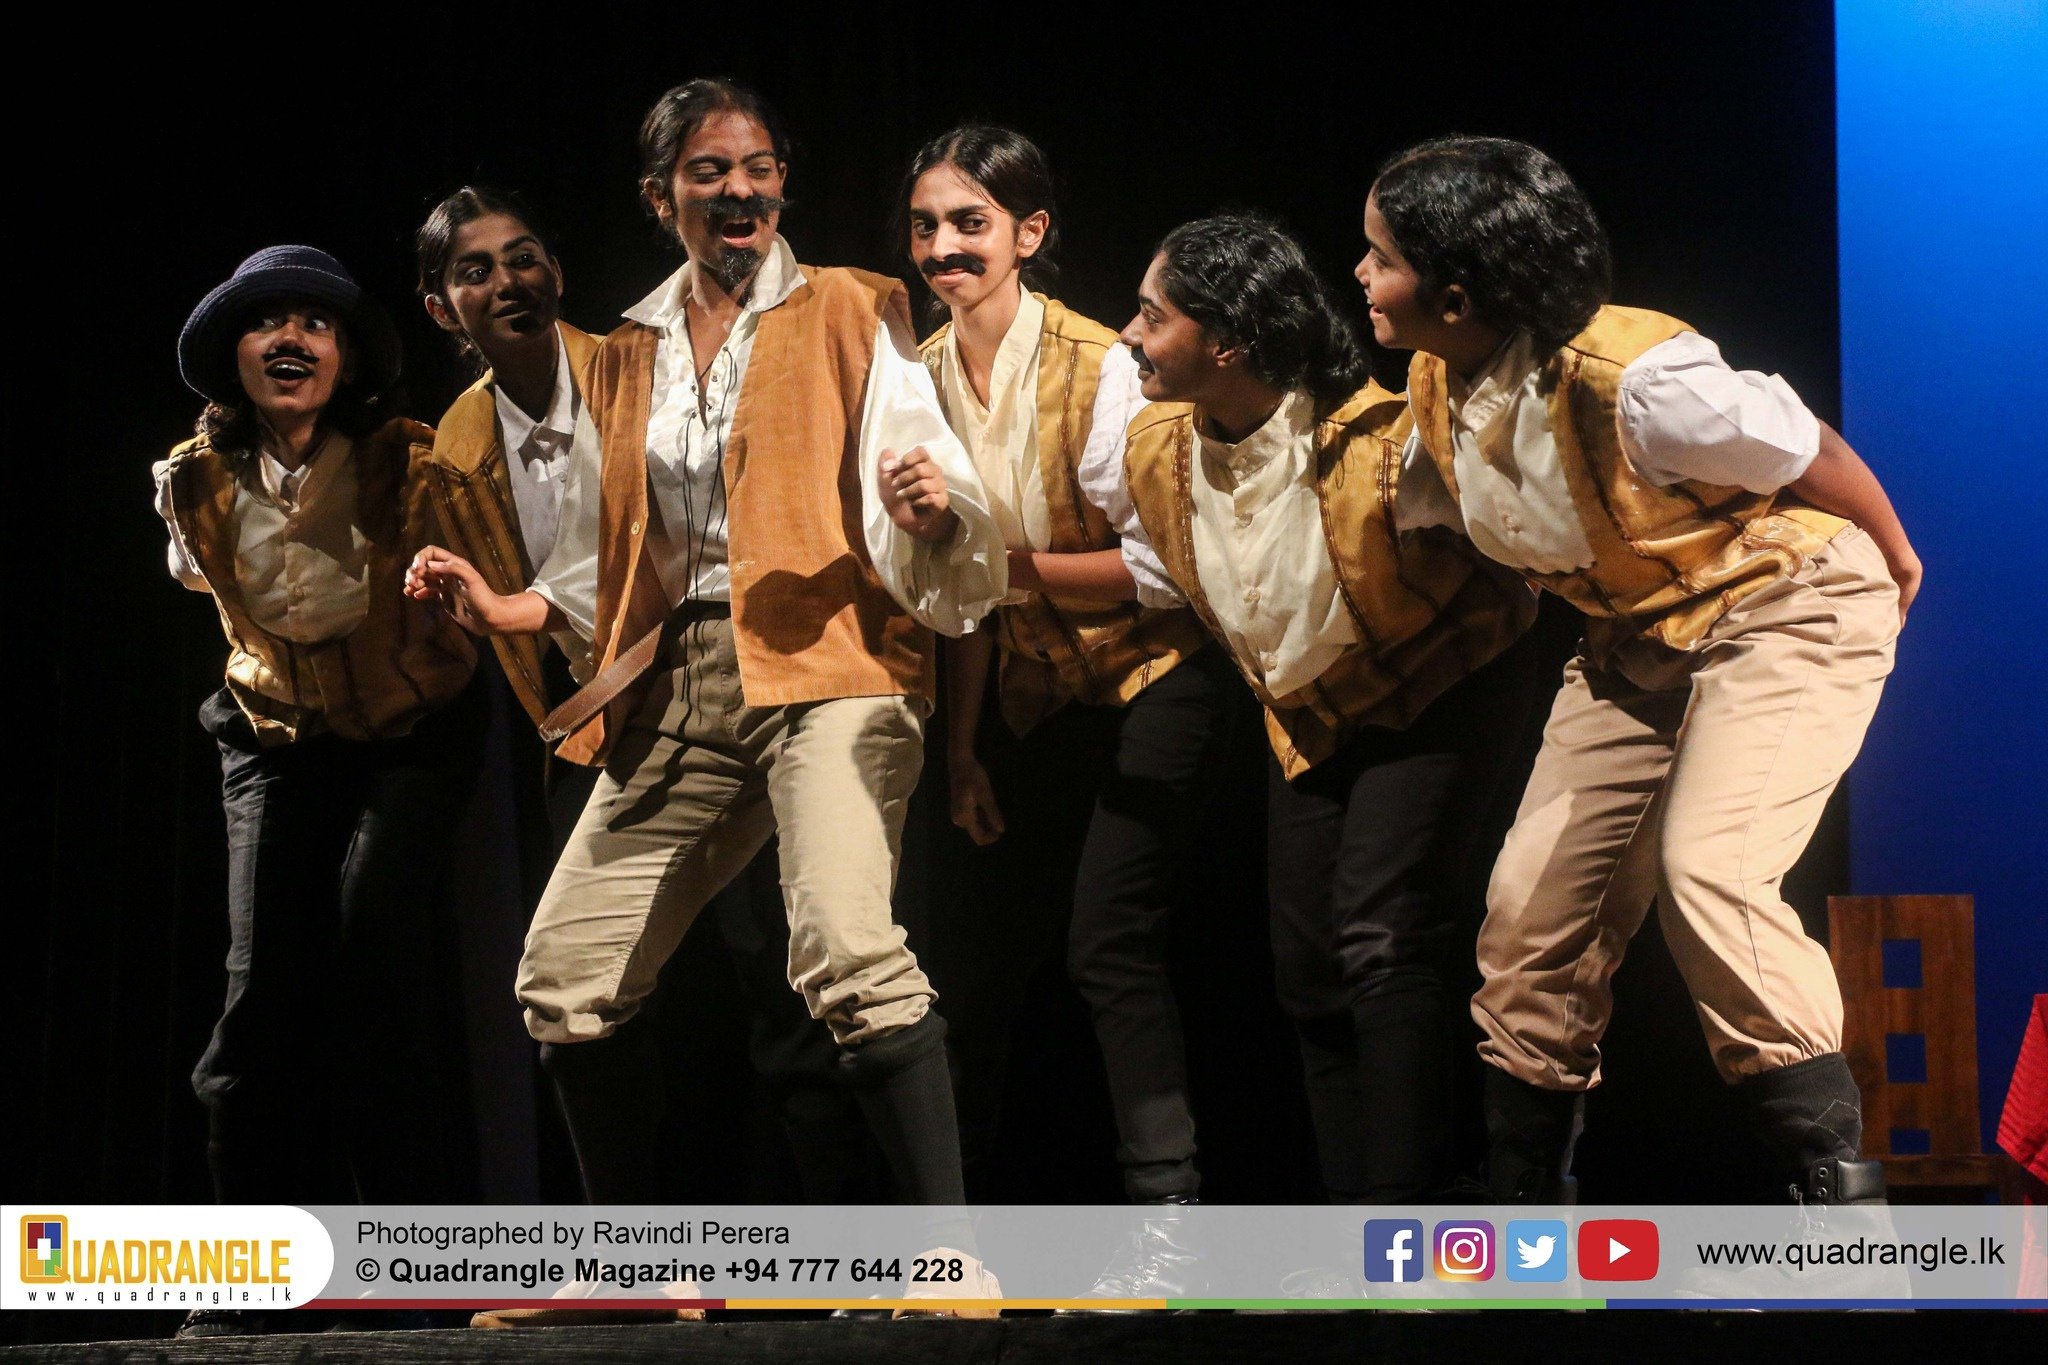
{"x":438,"y":575}
{"x":913,"y":490}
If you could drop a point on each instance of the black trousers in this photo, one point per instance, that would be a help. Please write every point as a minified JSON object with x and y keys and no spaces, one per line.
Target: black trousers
{"x":1377,"y":866}
{"x":1140,"y":837}
{"x":336,"y":1071}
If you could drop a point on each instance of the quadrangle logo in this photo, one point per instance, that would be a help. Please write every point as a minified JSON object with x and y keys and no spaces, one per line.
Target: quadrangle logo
{"x":45,"y":1239}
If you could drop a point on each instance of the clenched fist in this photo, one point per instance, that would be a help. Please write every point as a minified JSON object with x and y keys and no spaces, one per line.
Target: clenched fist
{"x":913,"y":492}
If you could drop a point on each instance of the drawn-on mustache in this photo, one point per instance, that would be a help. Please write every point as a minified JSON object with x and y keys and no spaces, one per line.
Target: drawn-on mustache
{"x":733,"y":208}
{"x":285,"y":350}
{"x":938,"y":265}
{"x":1144,"y":362}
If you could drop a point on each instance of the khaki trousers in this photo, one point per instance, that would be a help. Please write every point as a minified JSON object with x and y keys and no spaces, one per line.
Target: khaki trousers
{"x":1695,"y":779}
{"x":695,"y":786}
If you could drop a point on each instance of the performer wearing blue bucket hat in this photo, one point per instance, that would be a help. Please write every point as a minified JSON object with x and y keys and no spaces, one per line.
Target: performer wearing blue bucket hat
{"x":348,"y":731}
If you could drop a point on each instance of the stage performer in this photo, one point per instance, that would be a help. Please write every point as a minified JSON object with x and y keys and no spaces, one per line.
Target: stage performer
{"x":784,"y":519}
{"x":348,"y":730}
{"x":1106,"y":711}
{"x":503,"y":458}
{"x":1392,"y":668}
{"x":1745,"y":577}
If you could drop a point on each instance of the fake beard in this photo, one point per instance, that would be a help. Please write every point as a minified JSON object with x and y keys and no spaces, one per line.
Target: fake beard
{"x":734,"y":266}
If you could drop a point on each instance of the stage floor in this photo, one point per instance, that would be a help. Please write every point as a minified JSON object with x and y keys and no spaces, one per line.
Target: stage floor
{"x":1281,"y":1339}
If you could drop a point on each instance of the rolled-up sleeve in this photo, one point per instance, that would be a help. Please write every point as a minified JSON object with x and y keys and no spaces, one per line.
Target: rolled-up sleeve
{"x":1101,"y":475}
{"x":1685,"y":414}
{"x":178,"y":557}
{"x":948,"y":587}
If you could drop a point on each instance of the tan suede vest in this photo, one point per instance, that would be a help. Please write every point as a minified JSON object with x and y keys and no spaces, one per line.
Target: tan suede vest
{"x":1666,"y":561}
{"x":1061,"y":649}
{"x":811,"y":619}
{"x":404,"y":660}
{"x":1429,"y":608}
{"x":472,"y":493}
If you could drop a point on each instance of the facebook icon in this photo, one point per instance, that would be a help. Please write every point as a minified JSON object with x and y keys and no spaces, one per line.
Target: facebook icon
{"x":1393,"y":1250}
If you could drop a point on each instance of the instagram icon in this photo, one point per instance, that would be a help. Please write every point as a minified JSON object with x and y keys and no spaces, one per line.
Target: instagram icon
{"x":1463,"y":1251}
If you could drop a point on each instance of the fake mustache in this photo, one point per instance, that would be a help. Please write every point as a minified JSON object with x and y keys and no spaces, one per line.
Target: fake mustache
{"x":973,"y":265}
{"x":1144,"y":361}
{"x":733,"y":208}
{"x":285,"y":350}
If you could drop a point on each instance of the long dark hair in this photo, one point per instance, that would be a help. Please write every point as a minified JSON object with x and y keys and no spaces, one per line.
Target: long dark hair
{"x":434,"y":243}
{"x":682,"y":111}
{"x":1248,"y":282}
{"x":1011,"y":169}
{"x":1502,"y":219}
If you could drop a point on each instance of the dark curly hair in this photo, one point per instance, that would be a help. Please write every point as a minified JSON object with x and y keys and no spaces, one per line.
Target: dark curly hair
{"x":234,"y":430}
{"x":1502,"y":219}
{"x":1248,"y":282}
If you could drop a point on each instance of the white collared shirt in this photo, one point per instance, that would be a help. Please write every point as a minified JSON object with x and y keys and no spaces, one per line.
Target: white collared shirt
{"x":302,"y":561}
{"x":1002,"y":437}
{"x":1683,"y":414}
{"x":1260,"y":551}
{"x":537,"y":454}
{"x":948,"y":587}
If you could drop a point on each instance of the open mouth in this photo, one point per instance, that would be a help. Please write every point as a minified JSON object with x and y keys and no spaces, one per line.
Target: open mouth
{"x":288,"y":369}
{"x":739,"y":231}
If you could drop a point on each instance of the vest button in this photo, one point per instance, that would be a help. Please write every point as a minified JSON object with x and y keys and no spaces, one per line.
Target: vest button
{"x":634,"y":528}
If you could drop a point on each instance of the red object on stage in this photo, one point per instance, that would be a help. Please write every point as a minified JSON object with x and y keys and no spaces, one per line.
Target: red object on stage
{"x":2023,"y":1127}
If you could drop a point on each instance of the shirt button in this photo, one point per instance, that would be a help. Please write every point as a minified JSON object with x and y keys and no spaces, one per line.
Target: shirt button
{"x":1268,"y":659}
{"x":1510,"y":523}
{"x":1244,"y":519}
{"x":1251,"y":597}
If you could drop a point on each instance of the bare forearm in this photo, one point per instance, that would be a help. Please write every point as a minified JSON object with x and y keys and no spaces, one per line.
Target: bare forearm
{"x":523,"y":613}
{"x":1839,"y":482}
{"x":967,"y":665}
{"x":1097,"y":574}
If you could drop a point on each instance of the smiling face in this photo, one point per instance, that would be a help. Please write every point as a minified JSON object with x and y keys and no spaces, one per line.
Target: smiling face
{"x":292,"y":356}
{"x":723,"y":198}
{"x":967,"y":246}
{"x":1401,"y":316}
{"x":501,"y":288}
{"x":1178,"y":361}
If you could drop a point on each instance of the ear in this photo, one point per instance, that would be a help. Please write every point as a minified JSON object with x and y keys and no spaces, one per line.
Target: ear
{"x":1226,"y":356}
{"x":555,"y":268}
{"x":656,"y":196}
{"x":1456,"y":305}
{"x":438,"y":310}
{"x":1031,"y":233}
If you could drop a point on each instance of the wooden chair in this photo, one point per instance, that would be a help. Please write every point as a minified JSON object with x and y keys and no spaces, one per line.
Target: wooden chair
{"x":1908,"y":969}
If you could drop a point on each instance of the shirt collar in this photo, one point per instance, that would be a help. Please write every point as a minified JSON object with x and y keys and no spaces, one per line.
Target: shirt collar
{"x":776,"y":280}
{"x":1015,"y":354}
{"x":316,"y":473}
{"x":559,"y":422}
{"x":1476,"y":405}
{"x":1292,"y":421}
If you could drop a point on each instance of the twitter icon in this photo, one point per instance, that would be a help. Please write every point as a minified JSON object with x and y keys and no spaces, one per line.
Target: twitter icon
{"x":1532,"y":1251}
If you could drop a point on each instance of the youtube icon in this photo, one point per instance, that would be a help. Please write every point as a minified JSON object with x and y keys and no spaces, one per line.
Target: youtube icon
{"x":1617,"y":1249}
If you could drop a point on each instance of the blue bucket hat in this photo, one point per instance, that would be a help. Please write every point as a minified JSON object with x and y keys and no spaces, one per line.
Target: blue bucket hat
{"x":206,"y":347}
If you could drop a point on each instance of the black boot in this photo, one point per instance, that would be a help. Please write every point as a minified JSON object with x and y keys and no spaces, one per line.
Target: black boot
{"x":1530,"y":1134}
{"x":1159,"y":1261}
{"x":1810,"y":1116}
{"x":610,"y":1092}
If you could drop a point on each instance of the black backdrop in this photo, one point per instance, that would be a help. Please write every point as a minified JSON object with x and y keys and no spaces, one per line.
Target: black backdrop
{"x":157,"y":158}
